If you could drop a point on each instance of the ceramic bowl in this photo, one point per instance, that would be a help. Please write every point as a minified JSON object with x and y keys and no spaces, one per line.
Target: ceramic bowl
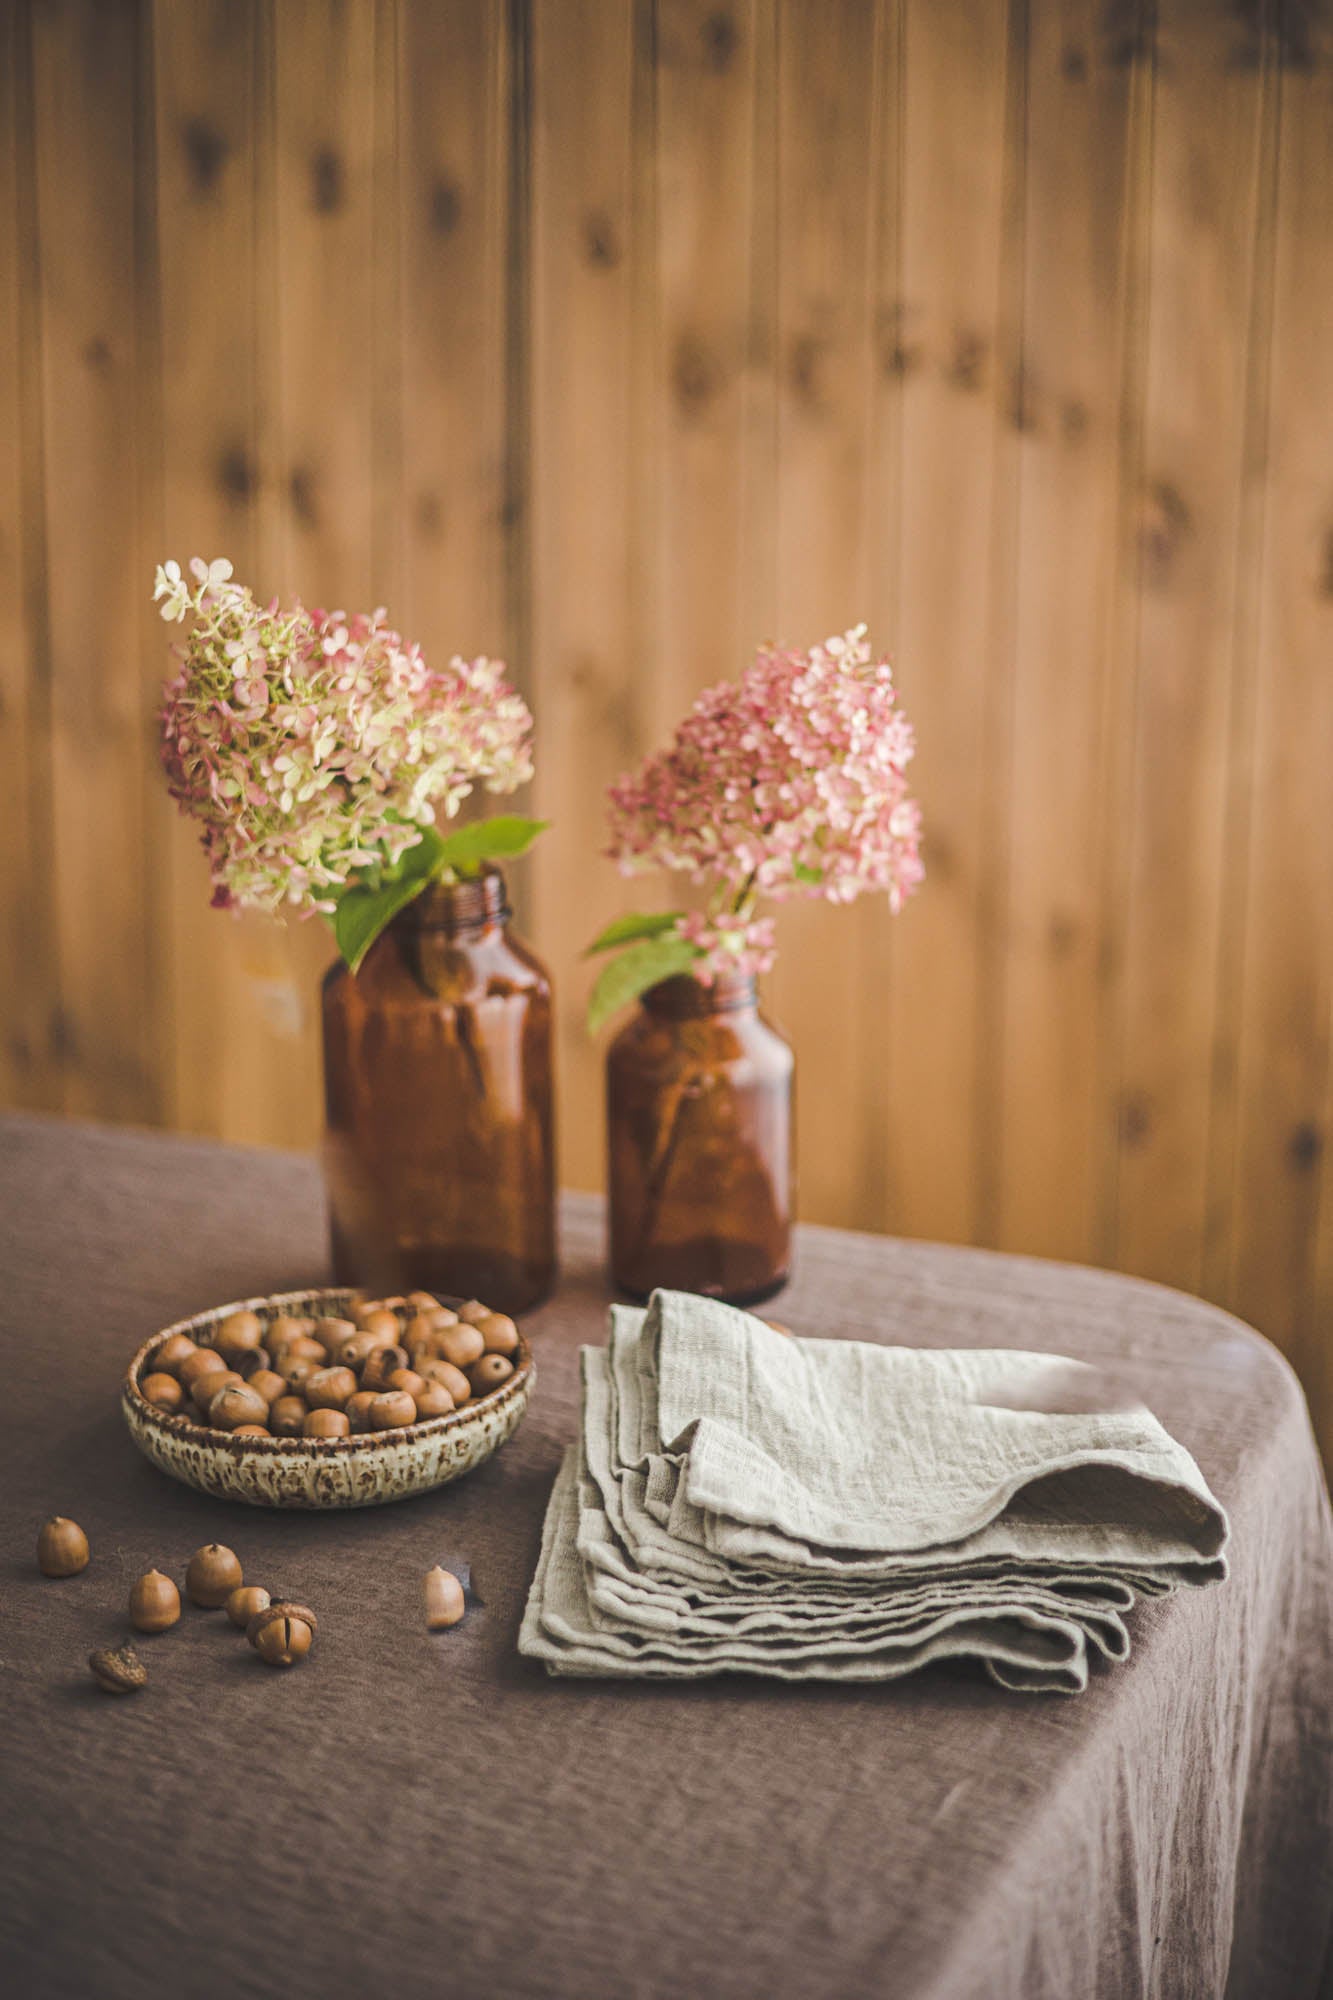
{"x":368,"y":1470}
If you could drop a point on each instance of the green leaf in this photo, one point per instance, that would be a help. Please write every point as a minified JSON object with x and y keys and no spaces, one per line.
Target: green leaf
{"x":495,"y":839}
{"x":643,"y":965}
{"x":624,"y":930}
{"x":814,"y":876}
{"x":365,"y":908}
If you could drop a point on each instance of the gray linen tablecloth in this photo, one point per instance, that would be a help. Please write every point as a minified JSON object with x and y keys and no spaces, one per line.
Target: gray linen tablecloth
{"x":418,"y":1815}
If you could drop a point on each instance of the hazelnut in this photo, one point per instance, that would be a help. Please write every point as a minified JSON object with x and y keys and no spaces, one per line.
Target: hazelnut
{"x":462,"y":1344}
{"x":356,"y":1350}
{"x":243,"y":1603}
{"x":282,"y":1634}
{"x":326,"y":1423}
{"x":253,"y":1362}
{"x":213,"y":1573}
{"x":422,"y":1302}
{"x":164,"y":1392}
{"x":421,"y":1334}
{"x":285,"y":1327}
{"x":407,"y":1380}
{"x":358,"y":1409}
{"x":238,"y":1332}
{"x":329,"y":1388}
{"x":297,"y":1373}
{"x":331,"y":1333}
{"x":266,"y":1382}
{"x":172,"y":1351}
{"x":118,"y":1670}
{"x":473,"y":1310}
{"x":204,"y":1361}
{"x":231,"y":1408}
{"x":432,"y":1400}
{"x":155,"y":1603}
{"x":499,"y":1333}
{"x":303,"y":1348}
{"x":62,"y":1547}
{"x":489,"y":1373}
{"x":450,"y":1378}
{"x":380,"y":1365}
{"x":392,"y":1411}
{"x":382,"y":1325}
{"x":286,"y":1416}
{"x":251,"y":1431}
{"x":212,"y":1385}
{"x":443,"y":1595}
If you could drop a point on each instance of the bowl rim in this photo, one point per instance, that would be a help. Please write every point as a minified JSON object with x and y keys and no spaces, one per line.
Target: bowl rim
{"x":174,"y":1424}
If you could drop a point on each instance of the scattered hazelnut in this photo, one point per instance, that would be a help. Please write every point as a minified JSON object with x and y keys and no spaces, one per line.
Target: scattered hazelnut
{"x":238,"y":1332}
{"x":380,"y":1365}
{"x":421,"y":1336}
{"x":164,"y":1392}
{"x":499,"y":1333}
{"x":325,"y":1423}
{"x":297,"y":1373}
{"x":155,"y":1603}
{"x":489,"y":1373}
{"x":432,"y":1400}
{"x":358,"y":1409}
{"x":462,"y":1344}
{"x":422,"y":1302}
{"x":331,"y":1331}
{"x":251,"y":1431}
{"x":286,"y":1416}
{"x":302,"y":1349}
{"x":204,"y":1361}
{"x":443,"y":1594}
{"x":231,"y":1408}
{"x":392,"y":1411}
{"x":443,"y":1316}
{"x":62,"y":1547}
{"x":329,"y":1388}
{"x":118,"y":1670}
{"x":266,"y":1382}
{"x":282,"y":1634}
{"x":473,"y":1310}
{"x":450,"y":1378}
{"x":172,"y":1351}
{"x":213,"y":1573}
{"x":285,"y":1327}
{"x":253,"y":1361}
{"x":356,"y":1350}
{"x":244,"y":1602}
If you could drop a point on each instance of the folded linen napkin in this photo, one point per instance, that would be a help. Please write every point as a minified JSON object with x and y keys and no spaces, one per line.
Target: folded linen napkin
{"x":832,"y":1509}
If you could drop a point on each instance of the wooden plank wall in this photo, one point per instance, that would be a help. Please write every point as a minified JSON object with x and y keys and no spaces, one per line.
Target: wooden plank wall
{"x":613,"y":335}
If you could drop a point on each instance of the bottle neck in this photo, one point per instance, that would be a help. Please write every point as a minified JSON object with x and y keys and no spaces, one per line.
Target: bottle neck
{"x":464,"y":909}
{"x":686,"y":998}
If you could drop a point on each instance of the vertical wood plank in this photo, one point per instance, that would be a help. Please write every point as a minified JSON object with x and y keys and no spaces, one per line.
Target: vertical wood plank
{"x":28,"y":990}
{"x":86,"y":71}
{"x":589,"y":356}
{"x":1281,"y":1208}
{"x":958,"y":391}
{"x":1087,"y":146}
{"x":830,"y":91}
{"x":454,"y":93}
{"x":1172,"y":815}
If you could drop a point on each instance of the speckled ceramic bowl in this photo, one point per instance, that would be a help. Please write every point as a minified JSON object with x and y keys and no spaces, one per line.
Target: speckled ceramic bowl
{"x":364,"y":1471}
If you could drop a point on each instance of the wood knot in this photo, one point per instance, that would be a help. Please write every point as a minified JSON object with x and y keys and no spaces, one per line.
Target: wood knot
{"x":446,"y":206}
{"x":721,"y":39}
{"x":301,"y":490}
{"x":205,"y":152}
{"x":1305,"y":1146}
{"x":1164,"y":528}
{"x":326,"y":181}
{"x":236,"y":473}
{"x":601,"y":240}
{"x":1135,"y":1120}
{"x":967,"y":361}
{"x":695,"y":375}
{"x":804,"y":369}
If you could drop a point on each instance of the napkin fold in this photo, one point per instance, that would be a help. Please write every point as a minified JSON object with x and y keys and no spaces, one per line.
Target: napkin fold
{"x":812,"y":1509}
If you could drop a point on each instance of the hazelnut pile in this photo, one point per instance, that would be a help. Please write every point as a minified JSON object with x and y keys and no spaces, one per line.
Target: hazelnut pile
{"x":393,"y":1362}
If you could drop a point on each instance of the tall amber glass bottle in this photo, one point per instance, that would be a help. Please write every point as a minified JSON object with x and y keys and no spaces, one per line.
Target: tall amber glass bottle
{"x":699,"y":1123}
{"x":440,"y":1153}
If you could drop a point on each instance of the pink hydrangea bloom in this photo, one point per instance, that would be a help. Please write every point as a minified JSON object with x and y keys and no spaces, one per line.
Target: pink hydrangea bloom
{"x":790,"y":781}
{"x":311,"y":745}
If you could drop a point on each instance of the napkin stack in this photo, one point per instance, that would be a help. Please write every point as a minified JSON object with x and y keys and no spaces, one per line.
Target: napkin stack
{"x":823,"y":1509}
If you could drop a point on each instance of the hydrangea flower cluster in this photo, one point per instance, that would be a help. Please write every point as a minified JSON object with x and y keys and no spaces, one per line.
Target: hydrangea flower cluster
{"x":788,"y":782}
{"x":312,"y":746}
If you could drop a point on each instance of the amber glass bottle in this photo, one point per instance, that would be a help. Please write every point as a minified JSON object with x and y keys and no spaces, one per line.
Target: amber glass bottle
{"x":440,"y":1154}
{"x":699,"y":1124}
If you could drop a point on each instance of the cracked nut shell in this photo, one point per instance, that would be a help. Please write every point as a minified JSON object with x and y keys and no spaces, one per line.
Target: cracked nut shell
{"x":118,"y":1669}
{"x":282,"y":1633}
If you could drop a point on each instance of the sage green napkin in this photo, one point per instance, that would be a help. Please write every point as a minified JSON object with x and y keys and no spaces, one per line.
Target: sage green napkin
{"x":833,"y":1509}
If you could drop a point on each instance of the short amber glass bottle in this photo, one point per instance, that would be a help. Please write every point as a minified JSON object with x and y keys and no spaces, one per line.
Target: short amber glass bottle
{"x":699,"y":1126}
{"x":440,"y":1146}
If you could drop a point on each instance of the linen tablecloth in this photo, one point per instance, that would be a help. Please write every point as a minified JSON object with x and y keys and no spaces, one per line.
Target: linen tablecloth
{"x":430,"y":1815}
